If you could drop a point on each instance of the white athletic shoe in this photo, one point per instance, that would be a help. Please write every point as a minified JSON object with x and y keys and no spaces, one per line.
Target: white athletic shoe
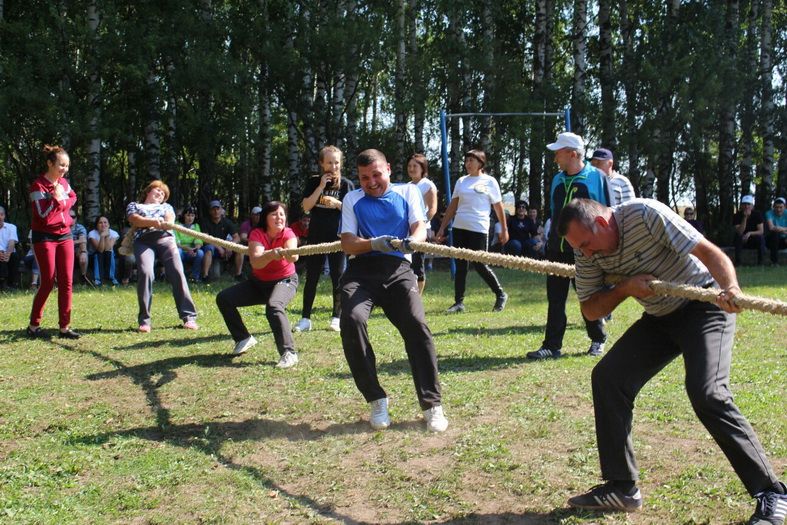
{"x":335,"y":324}
{"x":435,"y":419}
{"x":287,"y":360}
{"x":304,"y":325}
{"x":379,"y":418}
{"x":243,"y":345}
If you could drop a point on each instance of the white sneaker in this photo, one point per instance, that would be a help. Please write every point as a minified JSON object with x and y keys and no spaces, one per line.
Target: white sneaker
{"x":435,"y":419}
{"x":379,"y":418}
{"x":243,"y":345}
{"x":304,"y":325}
{"x":287,"y":360}
{"x":335,"y":324}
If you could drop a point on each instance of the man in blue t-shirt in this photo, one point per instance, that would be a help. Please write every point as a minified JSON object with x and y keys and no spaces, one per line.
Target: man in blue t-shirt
{"x":379,"y":274}
{"x":776,"y":221}
{"x":576,"y":179}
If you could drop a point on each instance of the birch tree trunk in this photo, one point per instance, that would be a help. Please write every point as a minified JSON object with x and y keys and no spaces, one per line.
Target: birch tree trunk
{"x":765,"y":190}
{"x":488,"y":23}
{"x":726,"y":121}
{"x":91,"y":207}
{"x":400,"y":119}
{"x":750,"y":97}
{"x":351,"y":74}
{"x":628,"y":28}
{"x":536,"y":150}
{"x":579,"y":46}
{"x":152,"y":139}
{"x":606,"y":77}
{"x":416,"y":81}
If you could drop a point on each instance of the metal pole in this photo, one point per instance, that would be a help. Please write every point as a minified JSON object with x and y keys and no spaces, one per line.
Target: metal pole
{"x":446,"y":179}
{"x":568,"y":118}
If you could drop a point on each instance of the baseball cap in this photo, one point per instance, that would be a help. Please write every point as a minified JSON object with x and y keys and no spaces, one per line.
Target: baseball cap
{"x":567,"y":140}
{"x":747,"y":199}
{"x":602,"y":154}
{"x":215,"y":204}
{"x":780,"y":199}
{"x":256,"y":209}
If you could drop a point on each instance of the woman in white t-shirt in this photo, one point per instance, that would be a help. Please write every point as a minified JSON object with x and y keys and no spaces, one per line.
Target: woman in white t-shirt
{"x":418,"y":170}
{"x":100,"y":246}
{"x":469,"y":208}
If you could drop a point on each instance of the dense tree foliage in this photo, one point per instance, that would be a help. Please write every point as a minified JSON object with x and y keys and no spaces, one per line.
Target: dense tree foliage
{"x":234,"y":99}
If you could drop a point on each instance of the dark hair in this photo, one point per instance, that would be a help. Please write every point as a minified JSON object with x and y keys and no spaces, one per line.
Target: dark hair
{"x":51,"y":152}
{"x":369,"y":156}
{"x":188,"y":209}
{"x":268,"y":208}
{"x":421,"y":160}
{"x":95,"y":222}
{"x":584,"y":211}
{"x":522,"y":203}
{"x":478,"y":155}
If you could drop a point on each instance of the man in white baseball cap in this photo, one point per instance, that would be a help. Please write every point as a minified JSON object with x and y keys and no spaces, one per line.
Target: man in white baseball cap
{"x":576,"y":178}
{"x":749,"y":230}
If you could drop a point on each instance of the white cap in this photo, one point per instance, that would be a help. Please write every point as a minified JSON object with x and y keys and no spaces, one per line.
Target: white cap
{"x":747,"y":199}
{"x":567,"y":140}
{"x":256,"y":209}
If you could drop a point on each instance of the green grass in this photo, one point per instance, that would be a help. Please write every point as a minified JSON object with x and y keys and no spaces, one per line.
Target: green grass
{"x":120,"y":427}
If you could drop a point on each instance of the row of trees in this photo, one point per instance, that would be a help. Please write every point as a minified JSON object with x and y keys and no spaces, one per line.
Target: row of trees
{"x":233,"y":99}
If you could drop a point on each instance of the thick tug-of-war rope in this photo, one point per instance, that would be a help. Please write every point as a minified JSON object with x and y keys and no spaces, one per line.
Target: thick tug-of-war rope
{"x":748,"y":302}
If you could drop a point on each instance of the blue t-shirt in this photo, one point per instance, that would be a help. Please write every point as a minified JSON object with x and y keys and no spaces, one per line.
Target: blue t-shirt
{"x":781,"y":222}
{"x":390,"y":214}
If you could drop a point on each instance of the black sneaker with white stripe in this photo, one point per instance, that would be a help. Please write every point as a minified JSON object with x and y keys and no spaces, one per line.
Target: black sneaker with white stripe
{"x":771,"y":508}
{"x":607,"y":497}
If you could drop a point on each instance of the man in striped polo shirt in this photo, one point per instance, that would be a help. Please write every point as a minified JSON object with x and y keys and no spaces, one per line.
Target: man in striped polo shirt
{"x":620,"y":188}
{"x":643,"y":240}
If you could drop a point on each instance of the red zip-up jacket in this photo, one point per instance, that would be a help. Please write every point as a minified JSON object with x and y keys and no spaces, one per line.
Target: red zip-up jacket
{"x":49,"y":214}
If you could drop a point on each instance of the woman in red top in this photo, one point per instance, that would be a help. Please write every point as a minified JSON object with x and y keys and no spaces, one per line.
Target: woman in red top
{"x":51,"y":199}
{"x":273,"y":283}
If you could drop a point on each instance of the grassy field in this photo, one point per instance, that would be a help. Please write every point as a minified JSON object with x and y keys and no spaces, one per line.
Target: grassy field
{"x":121,"y":427}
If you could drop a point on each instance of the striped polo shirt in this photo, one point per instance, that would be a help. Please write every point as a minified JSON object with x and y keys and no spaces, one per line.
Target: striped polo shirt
{"x":652,"y":240}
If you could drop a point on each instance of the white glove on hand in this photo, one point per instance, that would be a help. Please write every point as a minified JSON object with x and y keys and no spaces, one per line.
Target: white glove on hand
{"x":383,"y":243}
{"x":405,"y":246}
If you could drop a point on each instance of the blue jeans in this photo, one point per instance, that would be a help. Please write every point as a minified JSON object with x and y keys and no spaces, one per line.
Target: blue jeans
{"x":195,"y":259}
{"x":103,"y":266}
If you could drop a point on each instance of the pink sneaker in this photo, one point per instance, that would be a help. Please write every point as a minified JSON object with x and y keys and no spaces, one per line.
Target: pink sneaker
{"x":190,"y":325}
{"x":144,"y":328}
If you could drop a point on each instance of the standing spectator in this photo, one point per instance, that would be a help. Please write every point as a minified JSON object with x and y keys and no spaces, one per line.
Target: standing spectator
{"x":190,"y":247}
{"x":51,"y":199}
{"x":9,"y":262}
{"x":473,"y":194}
{"x":79,"y":235}
{"x":644,"y":240}
{"x":378,"y":274}
{"x":776,"y":221}
{"x":152,"y":217}
{"x":322,"y":198}
{"x":749,"y":229}
{"x":620,"y":188}
{"x":575,"y":179}
{"x":691,"y":217}
{"x":522,"y":231}
{"x":418,"y":170}
{"x":273,"y":283}
{"x":101,"y":248}
{"x":222,"y":228}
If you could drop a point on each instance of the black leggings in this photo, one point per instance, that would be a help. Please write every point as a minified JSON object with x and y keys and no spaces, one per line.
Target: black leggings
{"x":314,"y":263}
{"x":472,"y":241}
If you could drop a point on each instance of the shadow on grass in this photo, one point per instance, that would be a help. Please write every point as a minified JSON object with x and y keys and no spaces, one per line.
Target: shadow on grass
{"x":525,"y":518}
{"x":499,"y":330}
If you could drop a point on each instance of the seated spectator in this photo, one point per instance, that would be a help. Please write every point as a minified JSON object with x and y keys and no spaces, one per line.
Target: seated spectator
{"x":749,"y":229}
{"x":101,"y":249}
{"x":249,"y":224}
{"x":691,"y":218}
{"x":522,"y":232}
{"x":494,"y":238}
{"x":538,"y":240}
{"x":30,"y":262}
{"x":190,"y":247}
{"x":220,"y":227}
{"x":79,"y":234}
{"x":301,"y":230}
{"x":127,"y":261}
{"x":9,"y":262}
{"x":776,"y":221}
